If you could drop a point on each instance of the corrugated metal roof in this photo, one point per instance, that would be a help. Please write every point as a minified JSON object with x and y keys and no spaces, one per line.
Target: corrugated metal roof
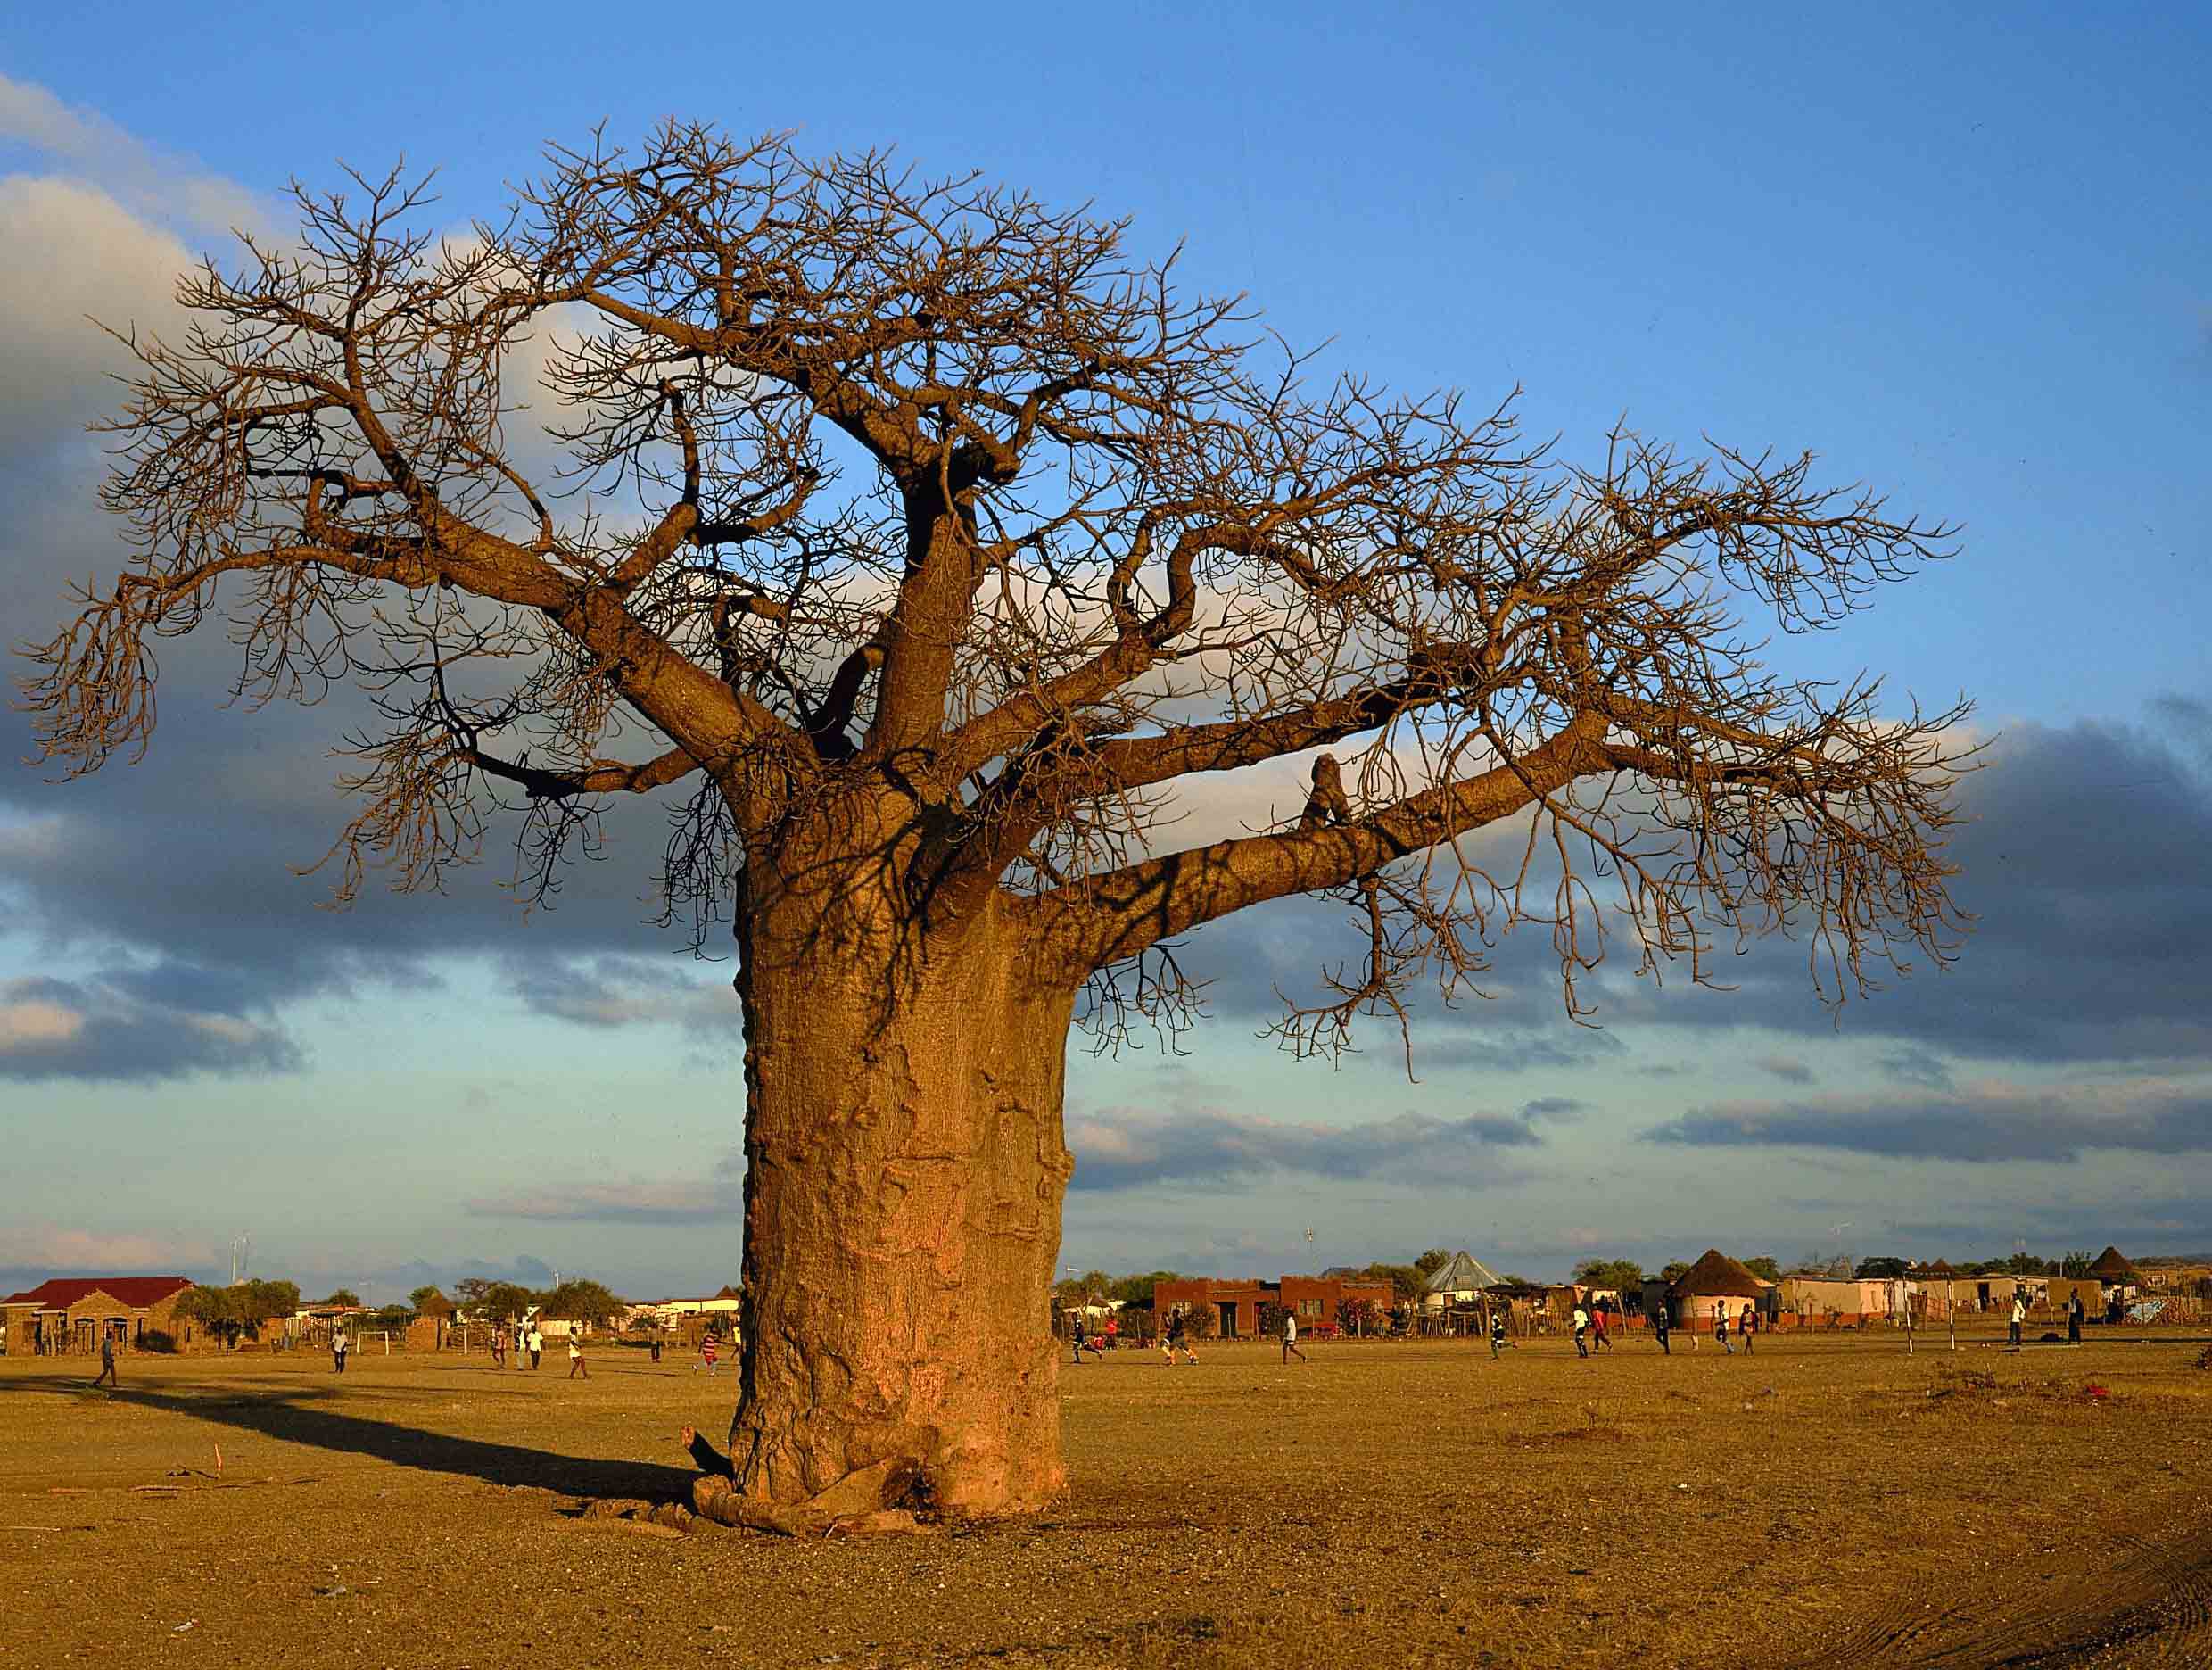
{"x":1462,"y":1272}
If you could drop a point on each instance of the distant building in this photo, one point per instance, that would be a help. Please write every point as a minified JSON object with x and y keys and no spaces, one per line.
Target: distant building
{"x":1233,"y":1306}
{"x":1461,"y":1279}
{"x":1714,"y":1283}
{"x":71,"y":1314}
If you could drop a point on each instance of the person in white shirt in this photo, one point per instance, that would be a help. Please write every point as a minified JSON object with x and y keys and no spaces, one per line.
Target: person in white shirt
{"x":1581,"y":1332}
{"x":1289,"y":1337}
{"x":338,"y":1349}
{"x":537,"y":1345}
{"x":2019,"y":1315}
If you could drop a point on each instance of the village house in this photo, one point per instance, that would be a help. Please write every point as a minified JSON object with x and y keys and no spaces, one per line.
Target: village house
{"x":71,"y":1314}
{"x":1233,"y":1307}
{"x":1714,"y":1284}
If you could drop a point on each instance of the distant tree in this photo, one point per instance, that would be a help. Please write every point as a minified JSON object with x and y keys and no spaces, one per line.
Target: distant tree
{"x":1619,"y":1274}
{"x":1358,"y":1316}
{"x":1137,"y":1289}
{"x":393,"y":1316}
{"x":1673,"y":1271}
{"x":430,"y":1302}
{"x":2076,"y":1265}
{"x":259,"y":1300}
{"x":344,"y":1296}
{"x":1408,"y":1281}
{"x":2026,"y":1264}
{"x":212,"y":1309}
{"x":1880,"y":1269}
{"x":583,"y":1302}
{"x":1765,"y":1268}
{"x":230,"y":1312}
{"x":1271,"y":1315}
{"x":1512,"y":1280}
{"x":1432,"y":1261}
{"x":495,"y":1301}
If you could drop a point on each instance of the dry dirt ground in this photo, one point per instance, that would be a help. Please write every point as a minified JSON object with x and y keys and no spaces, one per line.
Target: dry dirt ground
{"x":1825,"y":1503}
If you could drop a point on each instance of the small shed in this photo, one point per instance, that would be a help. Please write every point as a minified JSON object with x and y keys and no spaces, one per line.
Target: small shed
{"x":1714,"y":1282}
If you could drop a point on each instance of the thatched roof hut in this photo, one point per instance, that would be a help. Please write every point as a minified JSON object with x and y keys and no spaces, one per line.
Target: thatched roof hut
{"x":2110,"y":1266}
{"x":1714,"y":1281}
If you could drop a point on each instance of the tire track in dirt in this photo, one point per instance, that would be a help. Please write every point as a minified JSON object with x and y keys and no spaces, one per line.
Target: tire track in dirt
{"x":2151,"y":1608}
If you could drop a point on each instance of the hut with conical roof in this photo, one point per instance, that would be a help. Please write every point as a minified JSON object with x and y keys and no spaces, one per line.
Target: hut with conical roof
{"x":2110,"y":1267}
{"x":1713,"y":1283}
{"x":1460,"y":1280}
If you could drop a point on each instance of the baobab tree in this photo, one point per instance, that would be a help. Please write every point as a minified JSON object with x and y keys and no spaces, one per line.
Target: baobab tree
{"x":919,"y":544}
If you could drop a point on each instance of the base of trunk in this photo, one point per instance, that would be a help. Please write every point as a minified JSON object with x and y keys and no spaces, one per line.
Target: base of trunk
{"x":904,"y":1169}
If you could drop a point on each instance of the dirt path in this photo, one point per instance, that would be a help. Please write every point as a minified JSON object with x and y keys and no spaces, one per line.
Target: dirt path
{"x":2150,"y":1604}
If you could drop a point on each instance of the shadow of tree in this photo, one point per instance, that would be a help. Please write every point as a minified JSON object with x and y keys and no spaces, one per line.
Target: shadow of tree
{"x":293,"y":1418}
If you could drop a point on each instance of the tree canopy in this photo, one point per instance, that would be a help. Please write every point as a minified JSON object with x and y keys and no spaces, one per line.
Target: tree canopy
{"x":1619,"y":1274}
{"x":887,"y":469}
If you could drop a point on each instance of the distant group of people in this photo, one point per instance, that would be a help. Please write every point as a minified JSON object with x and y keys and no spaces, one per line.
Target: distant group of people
{"x":526,"y":1344}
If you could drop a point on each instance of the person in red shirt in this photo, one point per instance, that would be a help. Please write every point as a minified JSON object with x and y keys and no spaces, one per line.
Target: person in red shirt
{"x":706,"y":1354}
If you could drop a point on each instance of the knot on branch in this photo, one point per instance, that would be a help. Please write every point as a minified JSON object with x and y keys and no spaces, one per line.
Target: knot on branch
{"x":1326,"y":804}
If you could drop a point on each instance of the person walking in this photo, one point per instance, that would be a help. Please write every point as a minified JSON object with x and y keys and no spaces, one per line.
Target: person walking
{"x":1075,"y":1334}
{"x":1659,"y":1327}
{"x":536,"y":1347}
{"x":1601,"y":1331}
{"x":654,"y":1343}
{"x":107,"y":1361}
{"x":338,"y":1345}
{"x":1497,"y":1333}
{"x":707,"y":1355}
{"x":2019,"y":1315}
{"x":1719,"y":1326}
{"x":2074,"y":1308}
{"x":1581,"y":1330}
{"x":1289,"y":1337}
{"x":575,"y":1356}
{"x":498,"y":1348}
{"x":1749,"y":1327}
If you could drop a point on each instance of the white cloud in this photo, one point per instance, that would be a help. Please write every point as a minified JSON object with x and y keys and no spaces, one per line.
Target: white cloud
{"x":70,"y":253}
{"x":87,"y":145}
{"x":46,"y":1246}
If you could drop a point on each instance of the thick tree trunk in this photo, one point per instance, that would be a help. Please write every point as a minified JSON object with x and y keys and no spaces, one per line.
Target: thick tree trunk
{"x":904,"y":1171}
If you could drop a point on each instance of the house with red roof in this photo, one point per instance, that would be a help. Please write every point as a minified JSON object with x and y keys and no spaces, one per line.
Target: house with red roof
{"x":74,"y":1313}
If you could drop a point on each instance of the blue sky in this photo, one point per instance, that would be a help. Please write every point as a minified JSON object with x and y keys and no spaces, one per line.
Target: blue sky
{"x":1967,"y":261}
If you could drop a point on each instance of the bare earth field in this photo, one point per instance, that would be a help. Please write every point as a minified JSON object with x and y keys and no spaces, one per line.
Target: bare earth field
{"x":1827,"y":1501}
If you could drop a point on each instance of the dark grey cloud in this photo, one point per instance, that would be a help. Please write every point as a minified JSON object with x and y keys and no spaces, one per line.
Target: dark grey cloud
{"x":1119,"y":1148}
{"x":1918,"y":1066}
{"x":141,"y":1025}
{"x":1983,"y":1126}
{"x":1553,"y":1107}
{"x":2081,"y":860}
{"x":610,"y":991}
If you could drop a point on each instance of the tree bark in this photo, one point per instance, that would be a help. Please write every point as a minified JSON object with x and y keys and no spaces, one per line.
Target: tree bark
{"x":904,"y":1169}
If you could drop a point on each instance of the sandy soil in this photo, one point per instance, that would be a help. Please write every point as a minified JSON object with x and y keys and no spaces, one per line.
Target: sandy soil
{"x":1825,"y":1503}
